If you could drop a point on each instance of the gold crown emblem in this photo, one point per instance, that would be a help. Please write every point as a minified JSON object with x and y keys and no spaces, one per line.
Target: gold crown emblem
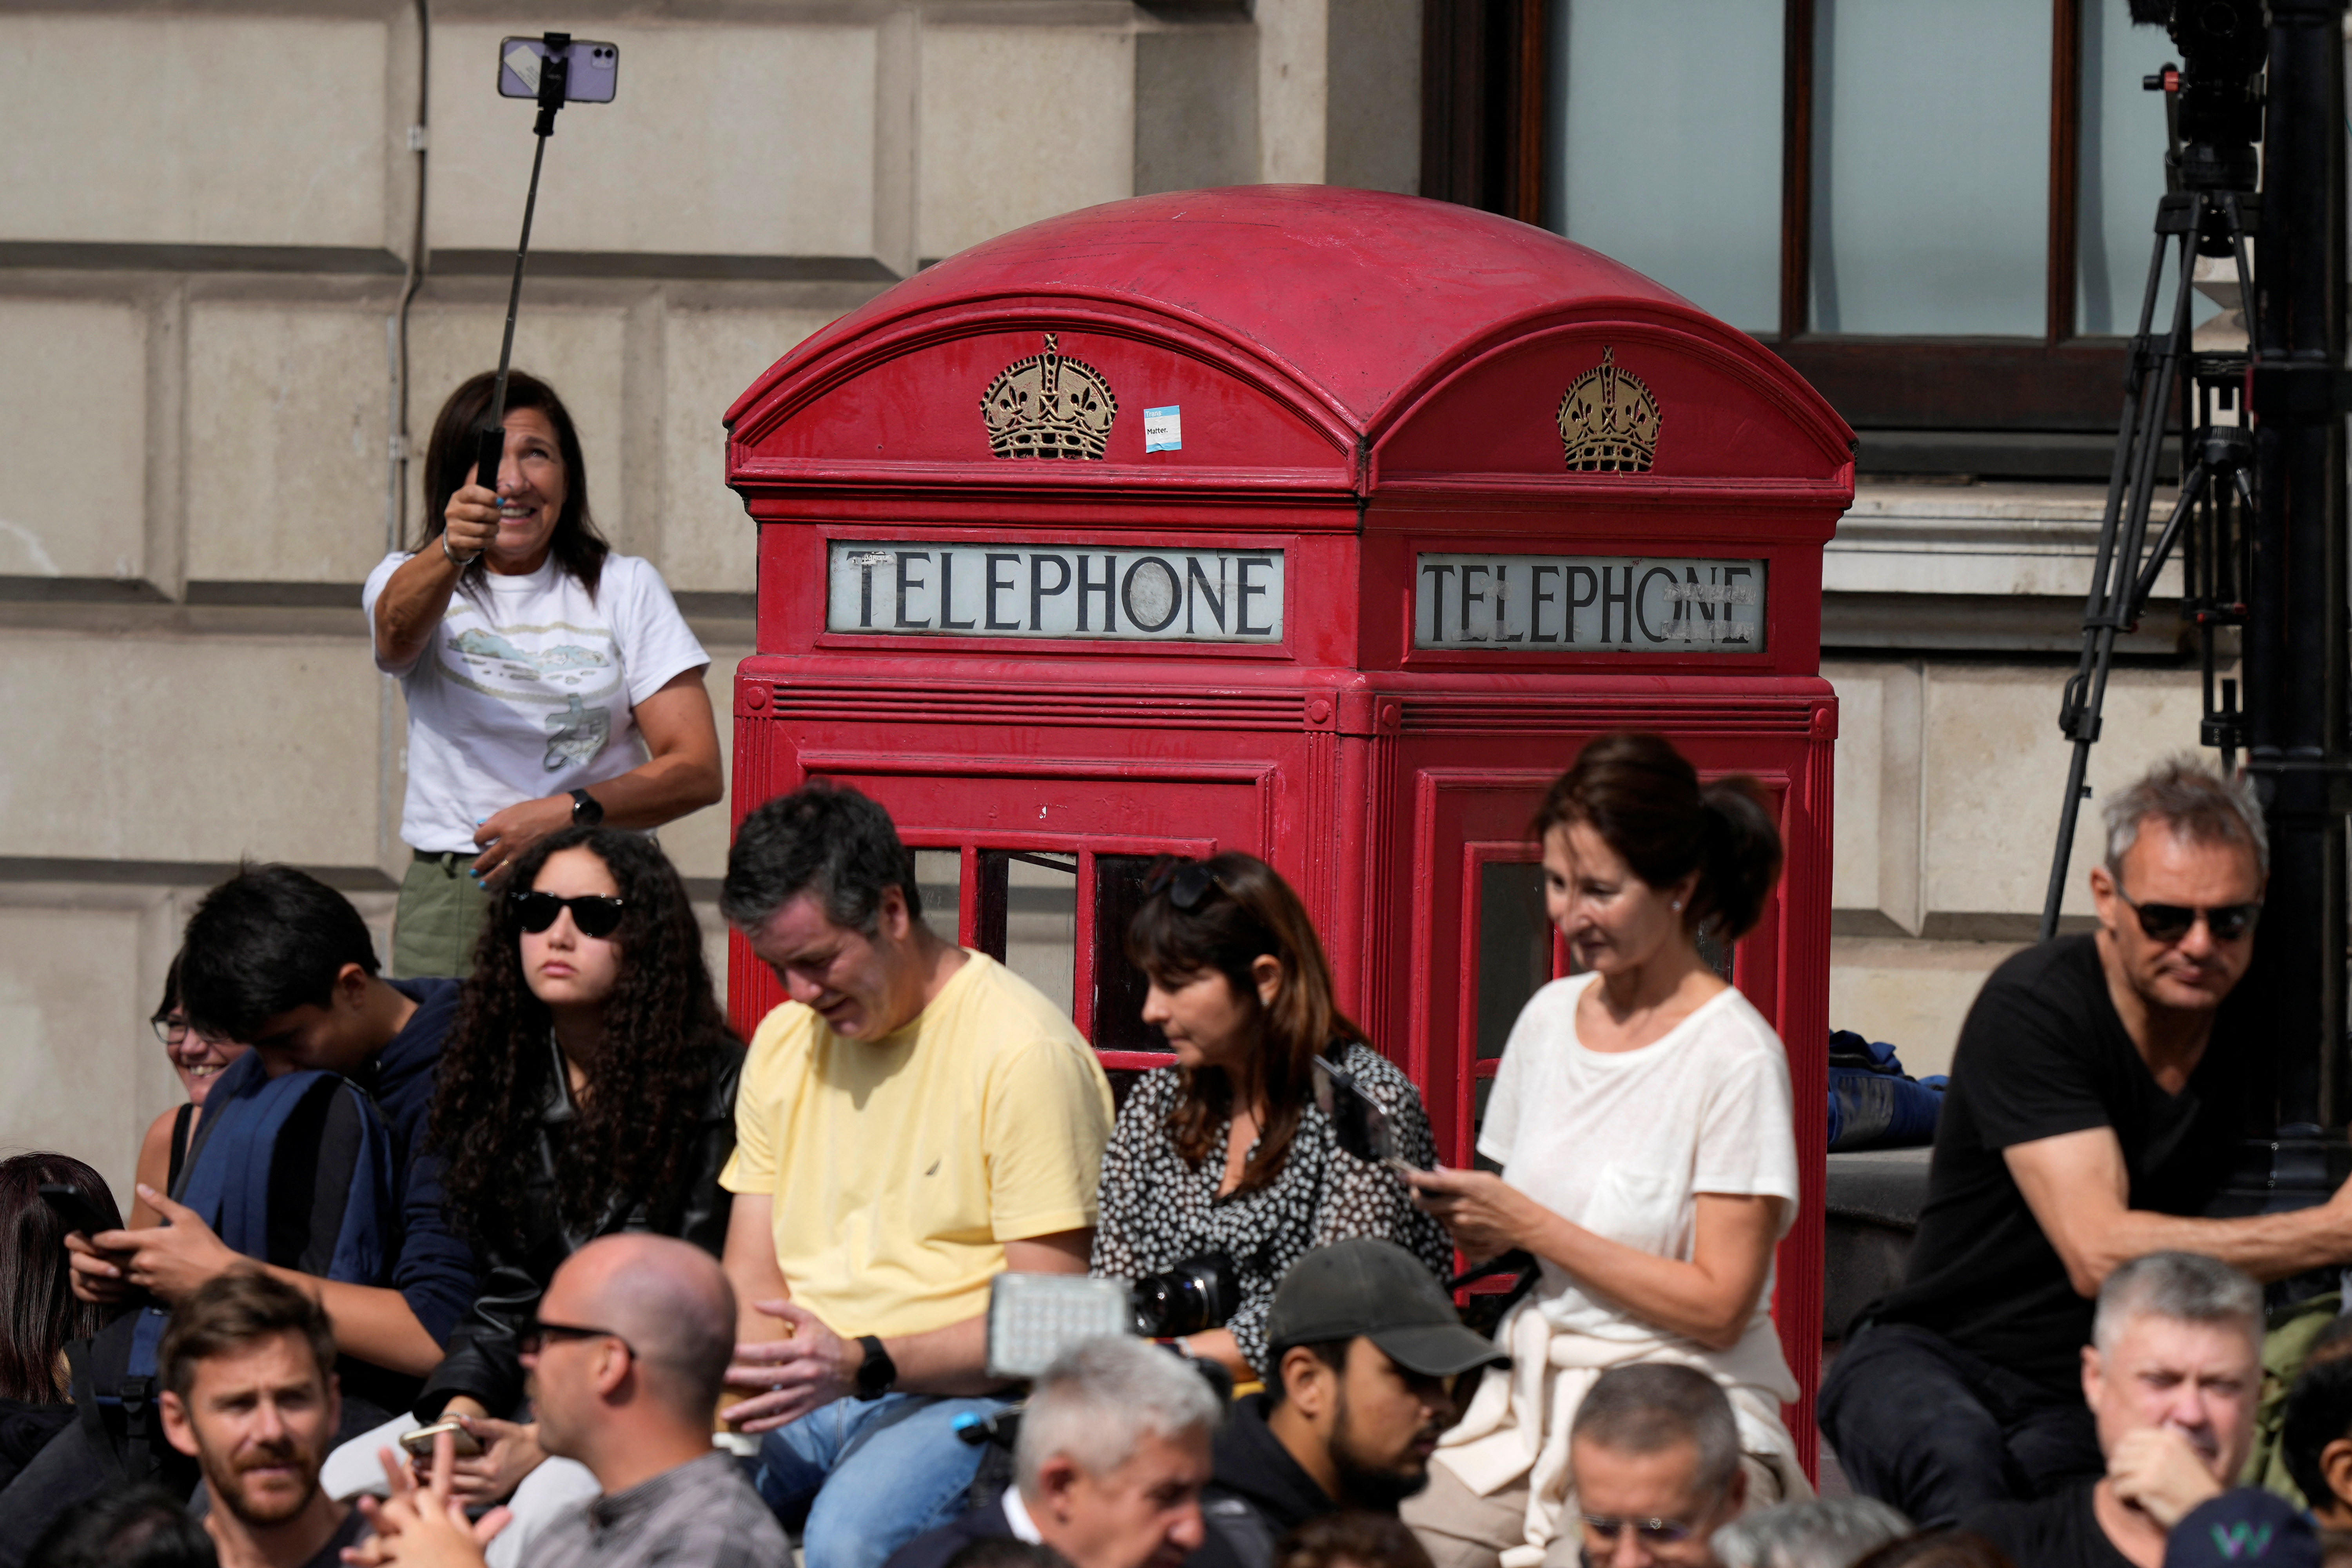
{"x":1049,"y":407}
{"x":1608,"y":421}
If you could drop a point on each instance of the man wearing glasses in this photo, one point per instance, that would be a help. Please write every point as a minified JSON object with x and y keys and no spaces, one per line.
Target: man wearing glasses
{"x":1653,"y":1469}
{"x":626,"y":1355}
{"x":2097,"y":1100}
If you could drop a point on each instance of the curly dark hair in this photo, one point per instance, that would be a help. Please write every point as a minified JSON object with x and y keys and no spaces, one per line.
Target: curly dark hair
{"x":638,"y":1119}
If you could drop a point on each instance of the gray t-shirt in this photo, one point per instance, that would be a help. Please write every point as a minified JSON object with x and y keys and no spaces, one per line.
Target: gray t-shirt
{"x":703,"y":1513}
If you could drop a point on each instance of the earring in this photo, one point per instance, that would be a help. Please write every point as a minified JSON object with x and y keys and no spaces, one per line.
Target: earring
{"x":1678,"y":903}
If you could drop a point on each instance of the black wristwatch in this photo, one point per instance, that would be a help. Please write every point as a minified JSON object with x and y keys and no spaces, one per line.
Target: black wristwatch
{"x":878,"y":1371}
{"x":587,"y":811}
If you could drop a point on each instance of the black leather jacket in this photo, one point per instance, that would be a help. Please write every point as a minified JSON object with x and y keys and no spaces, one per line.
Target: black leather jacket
{"x":483,"y":1359}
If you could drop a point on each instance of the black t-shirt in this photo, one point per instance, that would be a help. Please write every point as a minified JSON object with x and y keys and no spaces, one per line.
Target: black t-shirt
{"x":2057,"y":1531}
{"x":2042,"y":1054}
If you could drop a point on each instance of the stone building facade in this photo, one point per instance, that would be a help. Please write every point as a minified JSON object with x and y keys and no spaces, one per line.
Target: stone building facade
{"x":211,"y":218}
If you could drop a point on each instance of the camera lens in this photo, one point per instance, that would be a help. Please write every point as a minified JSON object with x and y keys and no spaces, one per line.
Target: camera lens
{"x":1198,"y":1293}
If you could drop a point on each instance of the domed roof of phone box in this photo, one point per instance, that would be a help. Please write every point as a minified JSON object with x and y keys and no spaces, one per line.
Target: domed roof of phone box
{"x":1360,"y":315}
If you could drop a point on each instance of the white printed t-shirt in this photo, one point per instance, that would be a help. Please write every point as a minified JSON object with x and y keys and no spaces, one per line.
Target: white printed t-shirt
{"x":1622,"y":1143}
{"x":529,"y":688}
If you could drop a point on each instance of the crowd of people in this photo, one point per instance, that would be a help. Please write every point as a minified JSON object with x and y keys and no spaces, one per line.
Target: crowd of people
{"x":518,"y":1256}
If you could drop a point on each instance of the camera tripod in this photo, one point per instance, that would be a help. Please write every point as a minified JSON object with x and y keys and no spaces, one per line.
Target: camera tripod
{"x":2212,"y":521}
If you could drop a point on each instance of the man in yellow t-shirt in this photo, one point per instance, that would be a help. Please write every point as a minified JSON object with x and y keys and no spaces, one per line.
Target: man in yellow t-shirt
{"x":915,"y":1120}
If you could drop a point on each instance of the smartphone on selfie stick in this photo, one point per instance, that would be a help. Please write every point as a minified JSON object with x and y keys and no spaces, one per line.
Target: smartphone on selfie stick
{"x":553,"y":70}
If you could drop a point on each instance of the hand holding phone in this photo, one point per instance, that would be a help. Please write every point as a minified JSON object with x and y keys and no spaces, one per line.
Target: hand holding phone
{"x":1360,"y":1127}
{"x":419,"y":1443}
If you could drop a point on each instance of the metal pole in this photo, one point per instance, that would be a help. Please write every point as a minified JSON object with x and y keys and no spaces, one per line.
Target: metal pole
{"x":2294,"y":638}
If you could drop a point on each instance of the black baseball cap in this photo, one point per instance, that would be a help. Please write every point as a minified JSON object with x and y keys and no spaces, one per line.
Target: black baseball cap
{"x":1380,"y":1290}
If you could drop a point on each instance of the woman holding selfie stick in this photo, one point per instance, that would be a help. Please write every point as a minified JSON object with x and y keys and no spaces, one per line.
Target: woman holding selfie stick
{"x":1227,"y":1152}
{"x":1643,"y":1121}
{"x":549,"y":680}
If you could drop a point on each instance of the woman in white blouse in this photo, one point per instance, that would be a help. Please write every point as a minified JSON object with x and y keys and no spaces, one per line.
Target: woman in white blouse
{"x":1643,"y":1121}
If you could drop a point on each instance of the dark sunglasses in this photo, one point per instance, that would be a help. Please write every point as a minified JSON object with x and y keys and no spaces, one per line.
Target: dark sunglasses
{"x":594,"y":914}
{"x":1186,"y":883}
{"x":2170,"y":922}
{"x":534,"y":1337}
{"x":1656,"y":1531}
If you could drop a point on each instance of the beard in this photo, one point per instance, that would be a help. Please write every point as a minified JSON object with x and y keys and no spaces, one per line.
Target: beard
{"x":233,"y":1486}
{"x":1371,"y":1484}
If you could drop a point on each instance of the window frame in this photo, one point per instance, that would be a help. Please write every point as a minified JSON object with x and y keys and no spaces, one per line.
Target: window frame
{"x":1484,"y":90}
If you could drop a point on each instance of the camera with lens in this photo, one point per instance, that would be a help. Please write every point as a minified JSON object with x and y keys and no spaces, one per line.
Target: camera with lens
{"x":2223,"y":45}
{"x":1199,"y":1293}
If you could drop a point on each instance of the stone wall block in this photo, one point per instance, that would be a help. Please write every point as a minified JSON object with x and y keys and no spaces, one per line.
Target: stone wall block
{"x":181,"y":750}
{"x":709,"y":542}
{"x":696,"y":845}
{"x":1913,"y":994}
{"x":85,"y":1076}
{"x":1018,"y":124}
{"x":722,"y":141}
{"x":1196,"y":103}
{"x":286,"y":411}
{"x":1994,"y":764}
{"x":73,"y":438}
{"x":143,"y":129}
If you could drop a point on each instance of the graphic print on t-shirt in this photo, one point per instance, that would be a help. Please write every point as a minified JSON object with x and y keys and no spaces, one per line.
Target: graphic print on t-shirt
{"x":569,"y":667}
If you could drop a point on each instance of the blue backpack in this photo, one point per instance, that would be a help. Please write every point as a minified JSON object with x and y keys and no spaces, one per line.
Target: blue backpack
{"x":293,"y":1171}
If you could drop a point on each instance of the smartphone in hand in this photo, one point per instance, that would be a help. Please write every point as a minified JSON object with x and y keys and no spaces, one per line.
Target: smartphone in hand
{"x":1361,"y":1126}
{"x":419,"y":1443}
{"x":74,"y":1206}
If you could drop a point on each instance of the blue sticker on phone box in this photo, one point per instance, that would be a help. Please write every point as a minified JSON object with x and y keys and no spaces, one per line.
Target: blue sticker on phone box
{"x":1163,"y":429}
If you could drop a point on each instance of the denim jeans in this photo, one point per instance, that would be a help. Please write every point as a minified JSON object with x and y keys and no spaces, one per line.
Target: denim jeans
{"x":881,"y":1473}
{"x":1938,"y":1432}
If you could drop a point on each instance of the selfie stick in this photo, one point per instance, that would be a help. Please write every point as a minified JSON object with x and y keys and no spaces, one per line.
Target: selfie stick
{"x":552,"y":73}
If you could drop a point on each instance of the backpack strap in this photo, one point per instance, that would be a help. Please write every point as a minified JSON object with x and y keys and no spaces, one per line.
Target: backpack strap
{"x":88,"y":1413}
{"x":368,"y":1219}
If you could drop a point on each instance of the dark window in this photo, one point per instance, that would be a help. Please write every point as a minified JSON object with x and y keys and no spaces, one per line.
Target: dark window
{"x":1940,"y":214}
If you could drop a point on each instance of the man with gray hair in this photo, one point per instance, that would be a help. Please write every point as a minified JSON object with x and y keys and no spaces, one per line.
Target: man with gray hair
{"x":1819,"y":1532}
{"x":2172,"y":1377}
{"x":2098,"y":1096}
{"x":1113,"y":1452}
{"x":1654,"y":1470}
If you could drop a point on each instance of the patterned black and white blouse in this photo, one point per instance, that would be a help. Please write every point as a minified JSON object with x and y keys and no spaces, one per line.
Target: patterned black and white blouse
{"x":1157,"y":1211}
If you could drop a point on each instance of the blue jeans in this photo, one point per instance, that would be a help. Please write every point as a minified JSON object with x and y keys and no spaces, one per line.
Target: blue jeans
{"x":881,"y":1473}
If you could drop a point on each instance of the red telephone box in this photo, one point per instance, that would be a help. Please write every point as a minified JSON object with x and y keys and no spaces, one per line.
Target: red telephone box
{"x":1320,"y":523}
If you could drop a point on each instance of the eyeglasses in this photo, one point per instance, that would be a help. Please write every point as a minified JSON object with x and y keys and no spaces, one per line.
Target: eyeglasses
{"x":1186,"y":883}
{"x":1653,"y":1532}
{"x":2170,"y":922}
{"x":534,"y":1337}
{"x":593,"y":913}
{"x":173,"y":1031}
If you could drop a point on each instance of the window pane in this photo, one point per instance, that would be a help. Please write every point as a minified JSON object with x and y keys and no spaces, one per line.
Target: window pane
{"x":2122,"y":173}
{"x":1513,"y":947}
{"x":1667,"y":122}
{"x":1041,"y":926}
{"x":1028,"y":917}
{"x":938,"y":874}
{"x":1120,"y":884}
{"x":1931,"y":166}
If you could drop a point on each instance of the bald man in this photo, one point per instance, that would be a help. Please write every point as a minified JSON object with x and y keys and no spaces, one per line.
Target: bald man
{"x":634,"y":1336}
